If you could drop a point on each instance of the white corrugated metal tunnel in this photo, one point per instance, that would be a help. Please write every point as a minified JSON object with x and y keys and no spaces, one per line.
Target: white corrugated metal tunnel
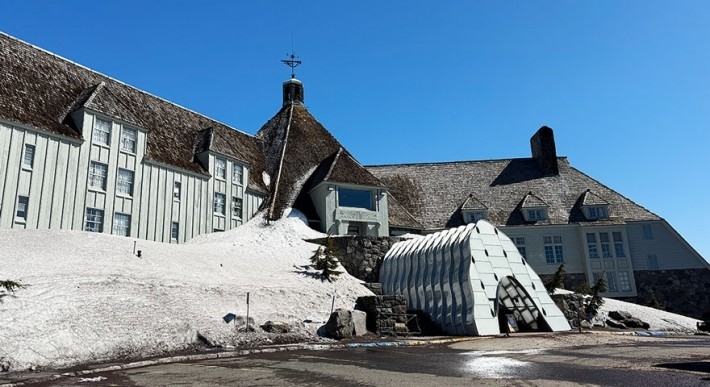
{"x":470,"y":280}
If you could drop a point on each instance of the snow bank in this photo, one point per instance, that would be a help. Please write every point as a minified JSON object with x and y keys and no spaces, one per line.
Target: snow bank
{"x":90,"y":299}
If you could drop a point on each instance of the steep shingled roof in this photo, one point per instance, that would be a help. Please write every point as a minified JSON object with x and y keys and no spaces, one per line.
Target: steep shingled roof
{"x":40,"y":89}
{"x":434,"y":192}
{"x":297,"y":149}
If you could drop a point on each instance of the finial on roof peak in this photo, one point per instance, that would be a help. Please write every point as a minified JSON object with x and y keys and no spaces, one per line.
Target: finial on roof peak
{"x":292,"y":63}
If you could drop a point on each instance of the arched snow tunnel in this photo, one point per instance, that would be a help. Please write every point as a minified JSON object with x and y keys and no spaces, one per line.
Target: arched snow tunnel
{"x":464,"y":277}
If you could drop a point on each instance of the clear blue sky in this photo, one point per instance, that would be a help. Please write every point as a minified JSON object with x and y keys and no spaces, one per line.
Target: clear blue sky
{"x":624,"y":84}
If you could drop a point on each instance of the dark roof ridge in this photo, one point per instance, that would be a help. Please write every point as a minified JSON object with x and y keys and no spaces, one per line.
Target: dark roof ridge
{"x":332,"y":165}
{"x":276,"y":182}
{"x":453,"y":162}
{"x":118,"y":81}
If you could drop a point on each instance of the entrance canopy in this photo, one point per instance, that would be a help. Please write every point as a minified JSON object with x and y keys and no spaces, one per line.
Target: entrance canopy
{"x":463,"y":277}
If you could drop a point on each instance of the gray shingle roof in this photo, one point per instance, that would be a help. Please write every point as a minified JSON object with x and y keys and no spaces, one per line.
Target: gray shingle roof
{"x":40,"y":89}
{"x":434,"y":192}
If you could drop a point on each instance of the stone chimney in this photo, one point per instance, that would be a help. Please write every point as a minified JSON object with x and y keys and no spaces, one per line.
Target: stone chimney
{"x":542,"y":144}
{"x":293,"y":92}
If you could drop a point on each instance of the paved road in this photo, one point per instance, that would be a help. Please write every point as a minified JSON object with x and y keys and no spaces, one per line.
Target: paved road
{"x":550,"y":360}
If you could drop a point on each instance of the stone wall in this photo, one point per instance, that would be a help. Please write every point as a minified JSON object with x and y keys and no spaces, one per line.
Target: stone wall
{"x":572,"y":280}
{"x":685,"y":292}
{"x":361,"y":256}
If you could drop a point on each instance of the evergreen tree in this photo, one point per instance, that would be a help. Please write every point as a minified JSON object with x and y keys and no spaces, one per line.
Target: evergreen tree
{"x":557,"y":280}
{"x":325,"y":260}
{"x":582,"y":288}
{"x":596,"y":301}
{"x":11,"y":286}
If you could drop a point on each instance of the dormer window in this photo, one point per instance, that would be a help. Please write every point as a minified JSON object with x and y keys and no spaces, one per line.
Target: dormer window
{"x":593,"y":206}
{"x":473,"y":210}
{"x":535,"y":214}
{"x":470,"y":216}
{"x":597,"y":212}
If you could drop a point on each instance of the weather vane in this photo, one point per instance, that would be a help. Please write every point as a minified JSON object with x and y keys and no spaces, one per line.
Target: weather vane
{"x":292,"y":63}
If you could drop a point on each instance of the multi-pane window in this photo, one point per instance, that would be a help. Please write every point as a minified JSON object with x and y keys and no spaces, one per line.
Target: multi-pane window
{"x":520,"y":244}
{"x":22,"y":203}
{"x":618,"y":244}
{"x":29,"y":159}
{"x":237,"y":173}
{"x":592,"y":245}
{"x":652,"y":260}
{"x":624,"y":281}
{"x":94,"y":220}
{"x":128,"y":140}
{"x":174,"y":231}
{"x":611,"y":281}
{"x":122,"y":224}
{"x":536,"y":214}
{"x":177,"y":188}
{"x":554,"y":253}
{"x":97,"y":175}
{"x":597,"y":212}
{"x":606,"y":247}
{"x":475,"y":216}
{"x":124,"y":182}
{"x":236,"y":207}
{"x":647,"y":231}
{"x":220,"y":168}
{"x":102,"y":131}
{"x":219,"y":200}
{"x":595,"y":276}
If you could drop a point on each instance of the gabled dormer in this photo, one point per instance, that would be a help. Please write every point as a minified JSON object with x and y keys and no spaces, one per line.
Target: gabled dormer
{"x":533,"y":208}
{"x":473,"y":210}
{"x":593,"y":206}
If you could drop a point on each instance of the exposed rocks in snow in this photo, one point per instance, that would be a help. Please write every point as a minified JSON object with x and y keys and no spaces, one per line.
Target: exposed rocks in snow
{"x":339,"y":326}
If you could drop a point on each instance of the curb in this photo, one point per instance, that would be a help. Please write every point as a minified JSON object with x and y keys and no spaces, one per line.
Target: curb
{"x":231,"y":352}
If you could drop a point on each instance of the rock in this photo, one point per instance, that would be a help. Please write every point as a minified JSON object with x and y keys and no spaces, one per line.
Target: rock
{"x":619,"y":315}
{"x":586,"y":324}
{"x":276,"y":327}
{"x":633,"y":322}
{"x":339,"y":325}
{"x":359,"y":322}
{"x":615,"y":324}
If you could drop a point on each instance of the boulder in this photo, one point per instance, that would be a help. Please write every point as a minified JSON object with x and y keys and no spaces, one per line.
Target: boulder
{"x":340,"y":325}
{"x":610,"y":322}
{"x":276,"y":327}
{"x":359,"y":322}
{"x":633,"y":322}
{"x":619,"y":315}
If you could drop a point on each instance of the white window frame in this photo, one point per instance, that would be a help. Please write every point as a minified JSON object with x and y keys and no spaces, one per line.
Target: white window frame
{"x":95,"y":175}
{"x":129,"y":138}
{"x":174,"y":231}
{"x":101,"y":135}
{"x":28,"y":159}
{"x":611,"y":283}
{"x":177,"y":191}
{"x":597,"y":212}
{"x":237,"y":207}
{"x":237,"y":174}
{"x":520,"y":244}
{"x":122,"y":224}
{"x":124,"y":186}
{"x":23,"y":205}
{"x":220,"y":168}
{"x":605,"y":242}
{"x":619,"y":250}
{"x":220,"y":201}
{"x":554,"y":249}
{"x":624,"y":281}
{"x":592,"y":250}
{"x":535,"y":214}
{"x":94,"y":220}
{"x":647,"y":231}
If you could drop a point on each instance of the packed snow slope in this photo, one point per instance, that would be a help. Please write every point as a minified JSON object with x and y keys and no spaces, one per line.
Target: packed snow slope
{"x":90,"y":298}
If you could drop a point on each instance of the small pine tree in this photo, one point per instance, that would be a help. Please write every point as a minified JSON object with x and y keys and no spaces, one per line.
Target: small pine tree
{"x":582,"y":288}
{"x":596,"y":301}
{"x":11,"y":286}
{"x":325,"y":260}
{"x":557,"y":280}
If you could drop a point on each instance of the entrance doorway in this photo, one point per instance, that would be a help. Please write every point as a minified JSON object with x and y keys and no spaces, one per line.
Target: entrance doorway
{"x":516,"y":310}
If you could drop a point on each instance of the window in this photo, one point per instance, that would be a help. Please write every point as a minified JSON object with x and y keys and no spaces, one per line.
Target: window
{"x":94,"y":220}
{"x":124,"y":183}
{"x":536,"y":214}
{"x":177,"y":188}
{"x":624,"y":282}
{"x":29,"y":159}
{"x":652,"y":260}
{"x":356,"y":198}
{"x":97,"y":175}
{"x":22,"y":203}
{"x":595,"y":277}
{"x":592,"y":245}
{"x":220,"y":168}
{"x":102,"y":131}
{"x":353,"y":229}
{"x":236,"y":207}
{"x":122,"y":224}
{"x":618,"y":244}
{"x":128,"y":140}
{"x":554,"y":252}
{"x":475,"y":216}
{"x":237,"y":174}
{"x":647,"y":231}
{"x":520,"y":244}
{"x":611,"y":282}
{"x":597,"y":212}
{"x":174,"y":231}
{"x":219,"y":200}
{"x":606,"y":248}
